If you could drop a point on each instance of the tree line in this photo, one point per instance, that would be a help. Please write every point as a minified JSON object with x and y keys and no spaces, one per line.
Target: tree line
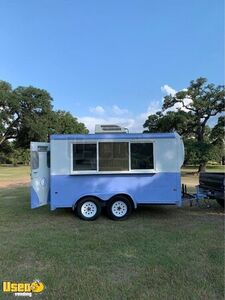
{"x":27,"y":114}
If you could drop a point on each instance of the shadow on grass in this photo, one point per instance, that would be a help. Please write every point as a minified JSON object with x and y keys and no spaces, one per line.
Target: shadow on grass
{"x":155,"y":210}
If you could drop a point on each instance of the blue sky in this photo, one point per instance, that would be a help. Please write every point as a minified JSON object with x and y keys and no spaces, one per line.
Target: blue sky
{"x":111,"y":61}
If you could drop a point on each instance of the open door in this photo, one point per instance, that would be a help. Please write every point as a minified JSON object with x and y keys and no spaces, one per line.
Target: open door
{"x":40,"y":173}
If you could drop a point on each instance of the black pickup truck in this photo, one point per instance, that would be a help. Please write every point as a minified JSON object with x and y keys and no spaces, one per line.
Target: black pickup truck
{"x":212,"y":185}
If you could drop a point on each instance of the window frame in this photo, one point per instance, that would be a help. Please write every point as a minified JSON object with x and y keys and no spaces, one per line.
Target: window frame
{"x":153,"y":152}
{"x":71,"y":155}
{"x":96,"y":142}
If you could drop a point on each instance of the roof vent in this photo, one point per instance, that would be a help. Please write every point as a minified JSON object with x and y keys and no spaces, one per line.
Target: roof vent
{"x":110,"y":129}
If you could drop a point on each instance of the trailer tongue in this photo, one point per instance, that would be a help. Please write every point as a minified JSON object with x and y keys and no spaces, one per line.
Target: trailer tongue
{"x":211,"y":186}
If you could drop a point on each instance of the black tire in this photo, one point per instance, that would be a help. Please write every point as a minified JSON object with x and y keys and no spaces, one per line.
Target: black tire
{"x":220,"y":202}
{"x":119,"y":208}
{"x":88,"y":209}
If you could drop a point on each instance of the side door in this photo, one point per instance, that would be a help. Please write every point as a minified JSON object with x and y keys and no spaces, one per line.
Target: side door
{"x":40,"y":173}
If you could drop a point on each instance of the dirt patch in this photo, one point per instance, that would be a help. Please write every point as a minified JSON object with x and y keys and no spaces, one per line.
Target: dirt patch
{"x":15,"y":182}
{"x":190,"y":181}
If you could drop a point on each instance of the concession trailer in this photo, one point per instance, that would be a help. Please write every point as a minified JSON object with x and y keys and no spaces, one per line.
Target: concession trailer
{"x":111,"y":168}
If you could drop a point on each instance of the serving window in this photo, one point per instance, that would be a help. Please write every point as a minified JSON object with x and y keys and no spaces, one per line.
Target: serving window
{"x":84,"y":157}
{"x":142,"y":156}
{"x":112,"y":156}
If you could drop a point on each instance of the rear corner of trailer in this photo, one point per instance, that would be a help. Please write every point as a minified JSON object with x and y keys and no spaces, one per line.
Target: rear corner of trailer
{"x":180,"y":160}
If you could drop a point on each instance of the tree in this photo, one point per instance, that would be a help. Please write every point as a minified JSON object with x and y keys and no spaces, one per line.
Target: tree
{"x":217,"y":137}
{"x":6,"y":150}
{"x":64,"y":123}
{"x":179,"y":121}
{"x":195,"y":106}
{"x":23,"y":113}
{"x":218,"y":132}
{"x":26,"y":114}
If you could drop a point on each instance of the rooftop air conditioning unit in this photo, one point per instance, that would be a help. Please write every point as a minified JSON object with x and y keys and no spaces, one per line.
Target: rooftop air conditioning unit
{"x":110,"y":129}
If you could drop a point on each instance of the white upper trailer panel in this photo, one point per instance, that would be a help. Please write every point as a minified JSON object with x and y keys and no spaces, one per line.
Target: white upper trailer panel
{"x":168,"y":151}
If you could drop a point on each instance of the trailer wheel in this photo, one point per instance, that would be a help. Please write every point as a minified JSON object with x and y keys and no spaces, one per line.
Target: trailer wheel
{"x":119,"y":208}
{"x":88,"y":209}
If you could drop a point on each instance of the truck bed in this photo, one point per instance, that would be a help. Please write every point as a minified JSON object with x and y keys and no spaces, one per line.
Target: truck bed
{"x":212,"y":184}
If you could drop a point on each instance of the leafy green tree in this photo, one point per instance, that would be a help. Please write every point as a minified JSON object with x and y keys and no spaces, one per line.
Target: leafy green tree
{"x":196,"y":105}
{"x":11,"y":154}
{"x":218,"y":132}
{"x":217,"y":137}
{"x":62,"y":122}
{"x":26,"y":114}
{"x":6,"y":149}
{"x":202,"y":100}
{"x":179,"y":121}
{"x":23,"y":113}
{"x":20,"y":156}
{"x":198,"y":153}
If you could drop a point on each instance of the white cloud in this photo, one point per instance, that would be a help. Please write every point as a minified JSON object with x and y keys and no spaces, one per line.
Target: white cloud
{"x":187,"y":101}
{"x":122,"y":117}
{"x":168,"y":90}
{"x":119,"y":111}
{"x":153,"y":108}
{"x":99,"y":110}
{"x":125,"y":118}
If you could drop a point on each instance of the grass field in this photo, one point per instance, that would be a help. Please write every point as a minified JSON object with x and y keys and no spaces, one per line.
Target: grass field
{"x":158,"y":253}
{"x":12,"y":173}
{"x":209,"y":168}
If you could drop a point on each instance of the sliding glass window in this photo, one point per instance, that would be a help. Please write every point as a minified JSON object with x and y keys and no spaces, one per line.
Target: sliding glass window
{"x":84,"y":157}
{"x":113,"y":156}
{"x":142,"y":156}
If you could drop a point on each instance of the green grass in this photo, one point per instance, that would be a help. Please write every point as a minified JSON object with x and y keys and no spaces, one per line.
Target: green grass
{"x":11,"y":173}
{"x":209,"y":168}
{"x":158,"y":253}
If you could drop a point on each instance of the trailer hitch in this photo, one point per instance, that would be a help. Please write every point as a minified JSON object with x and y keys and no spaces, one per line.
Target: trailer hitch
{"x":194,"y":196}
